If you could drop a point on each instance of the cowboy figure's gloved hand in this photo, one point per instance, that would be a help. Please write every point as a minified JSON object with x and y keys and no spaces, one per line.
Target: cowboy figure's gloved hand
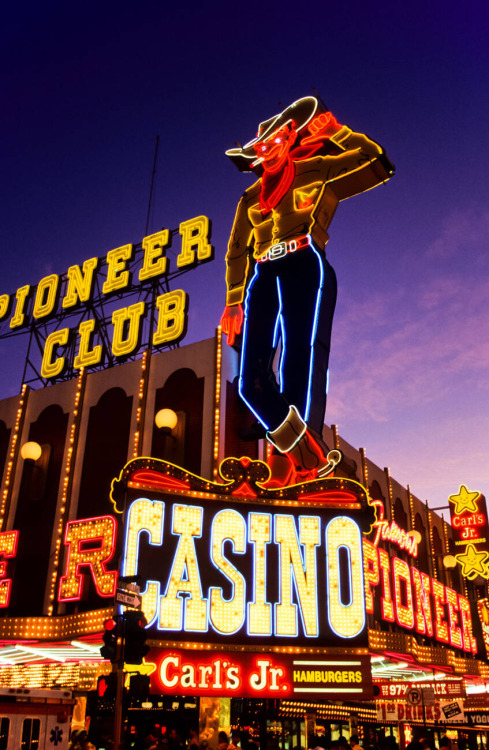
{"x":323,"y":126}
{"x":232,"y":321}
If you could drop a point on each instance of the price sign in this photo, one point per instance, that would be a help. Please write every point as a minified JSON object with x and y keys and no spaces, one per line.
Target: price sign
{"x":441,"y":688}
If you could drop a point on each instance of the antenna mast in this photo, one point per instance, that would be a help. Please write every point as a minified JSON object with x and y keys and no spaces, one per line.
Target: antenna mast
{"x":153,"y":175}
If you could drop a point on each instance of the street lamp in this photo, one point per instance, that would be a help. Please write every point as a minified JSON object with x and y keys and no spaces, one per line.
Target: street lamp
{"x":414,"y":533}
{"x":166,"y":420}
{"x":171,"y":426}
{"x":31,"y":451}
{"x":36,"y":463}
{"x":449,"y":561}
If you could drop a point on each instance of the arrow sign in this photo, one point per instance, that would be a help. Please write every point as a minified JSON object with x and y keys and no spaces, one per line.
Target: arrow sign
{"x":128,"y":599}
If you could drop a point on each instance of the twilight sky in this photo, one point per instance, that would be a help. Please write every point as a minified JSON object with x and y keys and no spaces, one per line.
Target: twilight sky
{"x":87,"y":87}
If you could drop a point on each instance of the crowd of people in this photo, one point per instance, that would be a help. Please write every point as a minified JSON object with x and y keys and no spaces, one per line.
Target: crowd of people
{"x":161,"y":738}
{"x":172,"y":740}
{"x":418,"y":742}
{"x":80,"y":741}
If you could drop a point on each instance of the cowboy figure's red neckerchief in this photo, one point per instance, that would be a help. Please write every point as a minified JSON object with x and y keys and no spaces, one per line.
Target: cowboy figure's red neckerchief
{"x":275,"y":185}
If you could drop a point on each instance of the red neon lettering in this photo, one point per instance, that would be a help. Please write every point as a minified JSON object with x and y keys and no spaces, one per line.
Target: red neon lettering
{"x":439,"y":597}
{"x":476,"y":519}
{"x":100,"y":532}
{"x":469,"y":533}
{"x":470,"y":643}
{"x":8,"y":548}
{"x":426,"y":604}
{"x":452,"y":606}
{"x":371,"y":573}
{"x":391,"y":532}
{"x":386,"y":601}
{"x":210,"y":677}
{"x":424,"y":619}
{"x":405,"y":612}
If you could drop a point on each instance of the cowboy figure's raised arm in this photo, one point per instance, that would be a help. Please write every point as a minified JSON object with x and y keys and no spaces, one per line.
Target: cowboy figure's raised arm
{"x":237,"y":268}
{"x":238,"y":255}
{"x":361,"y":164}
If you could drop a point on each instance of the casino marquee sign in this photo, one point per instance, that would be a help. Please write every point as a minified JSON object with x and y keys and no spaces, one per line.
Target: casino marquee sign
{"x":235,"y":566}
{"x":236,"y":563}
{"x":253,"y":591}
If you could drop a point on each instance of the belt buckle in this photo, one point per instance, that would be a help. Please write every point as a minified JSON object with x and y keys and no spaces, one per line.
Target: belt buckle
{"x":277,"y":251}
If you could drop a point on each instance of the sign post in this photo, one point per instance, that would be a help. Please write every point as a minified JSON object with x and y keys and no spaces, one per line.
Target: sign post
{"x":128,"y":595}
{"x":119,"y":691}
{"x":421,"y":697}
{"x":128,"y":598}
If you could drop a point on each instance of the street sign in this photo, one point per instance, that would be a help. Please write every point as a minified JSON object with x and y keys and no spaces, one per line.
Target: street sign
{"x":419,"y":696}
{"x":414,"y":697}
{"x":128,"y":599}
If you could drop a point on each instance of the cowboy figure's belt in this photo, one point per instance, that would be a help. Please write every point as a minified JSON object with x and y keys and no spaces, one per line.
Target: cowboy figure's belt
{"x":281,"y":249}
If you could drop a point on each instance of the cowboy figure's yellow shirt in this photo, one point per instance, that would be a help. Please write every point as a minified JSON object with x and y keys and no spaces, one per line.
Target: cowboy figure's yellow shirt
{"x":307,"y":207}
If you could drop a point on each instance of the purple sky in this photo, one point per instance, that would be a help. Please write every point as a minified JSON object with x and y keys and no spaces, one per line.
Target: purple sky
{"x":87,"y":87}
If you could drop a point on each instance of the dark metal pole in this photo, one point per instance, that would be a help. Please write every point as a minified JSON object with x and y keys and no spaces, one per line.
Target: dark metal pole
{"x":118,"y":718}
{"x":153,"y":175}
{"x":424,"y":710}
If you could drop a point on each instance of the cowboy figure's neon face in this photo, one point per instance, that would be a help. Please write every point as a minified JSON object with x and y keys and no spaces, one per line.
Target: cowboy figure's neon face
{"x":274,"y":151}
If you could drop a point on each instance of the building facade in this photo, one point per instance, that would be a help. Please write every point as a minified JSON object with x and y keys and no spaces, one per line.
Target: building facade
{"x":65,"y":539}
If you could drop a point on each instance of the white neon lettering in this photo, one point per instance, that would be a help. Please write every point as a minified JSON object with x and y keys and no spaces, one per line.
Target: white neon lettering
{"x":185,"y":575}
{"x":303,"y":573}
{"x":346,"y":620}
{"x":169,"y":660}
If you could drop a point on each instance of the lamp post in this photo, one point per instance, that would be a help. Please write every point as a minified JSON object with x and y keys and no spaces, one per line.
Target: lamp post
{"x":166,"y":420}
{"x":171,"y":426}
{"x":31,"y":451}
{"x":449,"y":561}
{"x":36,"y":464}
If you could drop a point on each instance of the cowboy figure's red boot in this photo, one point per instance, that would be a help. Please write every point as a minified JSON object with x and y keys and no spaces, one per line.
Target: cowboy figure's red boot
{"x":294,"y":439}
{"x":282,"y":472}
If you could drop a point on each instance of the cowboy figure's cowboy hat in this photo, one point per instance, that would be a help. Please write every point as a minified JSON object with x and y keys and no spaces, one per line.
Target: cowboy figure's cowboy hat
{"x":300,"y":112}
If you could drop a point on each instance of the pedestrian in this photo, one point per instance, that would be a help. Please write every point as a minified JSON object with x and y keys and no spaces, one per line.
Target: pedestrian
{"x":193,"y":743}
{"x":84,"y":742}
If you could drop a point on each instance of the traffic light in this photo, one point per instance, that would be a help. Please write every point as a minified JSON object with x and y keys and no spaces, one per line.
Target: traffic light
{"x":139,"y":686}
{"x":111,"y":634}
{"x":107,"y":686}
{"x":135,"y":647}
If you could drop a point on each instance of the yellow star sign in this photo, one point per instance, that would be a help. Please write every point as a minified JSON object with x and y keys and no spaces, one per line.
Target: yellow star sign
{"x":473,"y":563}
{"x":465,"y":500}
